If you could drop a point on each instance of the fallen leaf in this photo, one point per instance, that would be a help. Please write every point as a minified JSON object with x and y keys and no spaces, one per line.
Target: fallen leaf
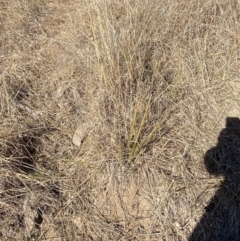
{"x":80,"y":134}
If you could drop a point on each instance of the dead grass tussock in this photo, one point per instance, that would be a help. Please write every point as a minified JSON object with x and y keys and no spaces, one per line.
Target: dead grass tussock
{"x":150,"y":83}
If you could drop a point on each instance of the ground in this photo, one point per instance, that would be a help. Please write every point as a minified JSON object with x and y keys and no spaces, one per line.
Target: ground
{"x":109,"y":110}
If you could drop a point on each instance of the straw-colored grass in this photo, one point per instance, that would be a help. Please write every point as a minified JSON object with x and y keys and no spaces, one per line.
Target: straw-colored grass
{"x":146,"y":84}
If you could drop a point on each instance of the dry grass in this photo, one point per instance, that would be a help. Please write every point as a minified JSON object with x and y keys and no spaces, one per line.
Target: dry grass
{"x":148,"y":86}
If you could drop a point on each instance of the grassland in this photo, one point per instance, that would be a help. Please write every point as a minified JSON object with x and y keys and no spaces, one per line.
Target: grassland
{"x":107,"y":109}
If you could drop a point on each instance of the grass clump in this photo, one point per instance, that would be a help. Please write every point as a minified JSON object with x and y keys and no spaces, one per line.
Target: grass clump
{"x":129,"y":76}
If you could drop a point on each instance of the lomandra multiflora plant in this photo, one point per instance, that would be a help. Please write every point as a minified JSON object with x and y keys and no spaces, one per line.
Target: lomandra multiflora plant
{"x":135,"y":85}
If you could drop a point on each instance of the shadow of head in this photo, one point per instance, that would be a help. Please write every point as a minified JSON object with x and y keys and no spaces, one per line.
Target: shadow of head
{"x":224,"y":158}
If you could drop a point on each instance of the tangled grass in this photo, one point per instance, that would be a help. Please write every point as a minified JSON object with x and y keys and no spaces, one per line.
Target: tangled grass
{"x":148,"y":86}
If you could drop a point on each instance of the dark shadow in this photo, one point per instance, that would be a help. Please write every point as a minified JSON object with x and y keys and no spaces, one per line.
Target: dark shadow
{"x":22,"y":152}
{"x":221,"y":220}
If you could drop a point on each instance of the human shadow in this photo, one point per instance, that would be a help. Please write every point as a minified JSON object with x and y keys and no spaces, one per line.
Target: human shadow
{"x":221,"y":220}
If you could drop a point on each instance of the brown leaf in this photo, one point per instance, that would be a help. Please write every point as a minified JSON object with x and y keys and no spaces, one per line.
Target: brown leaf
{"x":80,"y":134}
